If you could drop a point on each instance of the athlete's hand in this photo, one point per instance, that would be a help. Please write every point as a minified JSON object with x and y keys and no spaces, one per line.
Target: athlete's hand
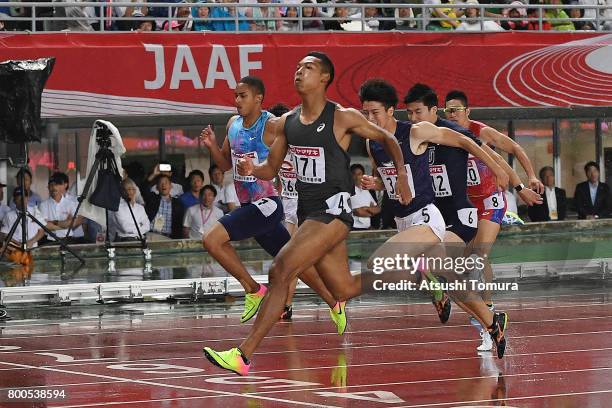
{"x":502,"y":178}
{"x":208,"y":136}
{"x":402,"y":189}
{"x":245,"y":166}
{"x":530,"y":197}
{"x":370,"y":183}
{"x":536,"y":185}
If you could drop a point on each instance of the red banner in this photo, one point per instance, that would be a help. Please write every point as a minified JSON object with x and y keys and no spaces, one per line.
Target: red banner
{"x":161,"y":73}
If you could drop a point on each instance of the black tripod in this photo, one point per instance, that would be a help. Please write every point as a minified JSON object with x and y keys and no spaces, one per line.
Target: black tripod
{"x":105,"y":160}
{"x":22,"y":218}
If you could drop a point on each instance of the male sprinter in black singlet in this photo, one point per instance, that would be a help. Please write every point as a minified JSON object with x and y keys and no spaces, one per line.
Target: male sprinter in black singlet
{"x":317,"y":133}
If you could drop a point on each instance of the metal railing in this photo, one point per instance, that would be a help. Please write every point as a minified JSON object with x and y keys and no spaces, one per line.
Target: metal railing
{"x":236,"y":17}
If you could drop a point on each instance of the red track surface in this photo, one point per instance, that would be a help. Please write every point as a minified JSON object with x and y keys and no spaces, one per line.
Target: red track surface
{"x":397,"y":355}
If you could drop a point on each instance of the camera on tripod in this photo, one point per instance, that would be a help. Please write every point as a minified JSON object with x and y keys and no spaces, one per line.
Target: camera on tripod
{"x":103,"y":135}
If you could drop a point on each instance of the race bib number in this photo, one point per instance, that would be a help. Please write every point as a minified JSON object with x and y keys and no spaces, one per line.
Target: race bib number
{"x":309,"y":164}
{"x":288,"y":180}
{"x":473,"y":177}
{"x":267,"y":206}
{"x":235,"y":157}
{"x":494,"y":202}
{"x":468,"y":216}
{"x":441,"y":183}
{"x":338,"y":203}
{"x":389,"y":178}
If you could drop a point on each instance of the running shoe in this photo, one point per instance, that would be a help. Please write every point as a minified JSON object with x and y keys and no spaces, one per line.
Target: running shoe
{"x":231,"y":360}
{"x":443,"y":307}
{"x":497,"y":329}
{"x":338,"y":315}
{"x":487,"y":341}
{"x":252,"y":301}
{"x":287,"y":313}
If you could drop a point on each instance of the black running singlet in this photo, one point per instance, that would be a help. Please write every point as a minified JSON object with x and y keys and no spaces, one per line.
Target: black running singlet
{"x":448,"y":169}
{"x":416,"y":166}
{"x":324,"y":181}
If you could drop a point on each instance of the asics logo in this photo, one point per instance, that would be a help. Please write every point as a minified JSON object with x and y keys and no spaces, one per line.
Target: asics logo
{"x":321,"y":127}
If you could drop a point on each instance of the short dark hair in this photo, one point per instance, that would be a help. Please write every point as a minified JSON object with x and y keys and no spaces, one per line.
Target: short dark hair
{"x":459,"y":95}
{"x":378,"y":90}
{"x":59,"y":178}
{"x":327,"y":66}
{"x":357,"y":166}
{"x":212,"y":168}
{"x":23,"y":170}
{"x":255,"y":84}
{"x":545,"y":169}
{"x":195,"y":172}
{"x":208,"y":187}
{"x":422,"y":93}
{"x":591,"y":164}
{"x":161,"y":176}
{"x":279,"y":109}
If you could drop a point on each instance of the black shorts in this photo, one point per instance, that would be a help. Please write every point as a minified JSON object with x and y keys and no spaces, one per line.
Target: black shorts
{"x":326,"y":218}
{"x":461,"y":221}
{"x":261,"y":220}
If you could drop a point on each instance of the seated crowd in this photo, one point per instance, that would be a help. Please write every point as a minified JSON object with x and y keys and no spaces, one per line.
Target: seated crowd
{"x":339,"y":15}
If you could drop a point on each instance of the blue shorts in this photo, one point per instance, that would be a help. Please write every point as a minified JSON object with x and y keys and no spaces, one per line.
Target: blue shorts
{"x":262,"y":220}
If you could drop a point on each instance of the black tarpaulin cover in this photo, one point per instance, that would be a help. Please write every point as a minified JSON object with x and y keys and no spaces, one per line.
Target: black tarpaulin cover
{"x":21,"y":86}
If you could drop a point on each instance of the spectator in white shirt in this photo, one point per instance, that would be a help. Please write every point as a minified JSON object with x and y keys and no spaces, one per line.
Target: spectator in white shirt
{"x":199,"y":219}
{"x":121,"y":224}
{"x":34,"y":232}
{"x":363,"y":204}
{"x":59,"y":209}
{"x":3,"y":207}
{"x":226,"y":198}
{"x":472,"y":23}
{"x":27,"y":181}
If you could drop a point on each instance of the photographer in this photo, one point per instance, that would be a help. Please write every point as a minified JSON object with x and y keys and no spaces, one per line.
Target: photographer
{"x":164,"y":211}
{"x":166,"y":170}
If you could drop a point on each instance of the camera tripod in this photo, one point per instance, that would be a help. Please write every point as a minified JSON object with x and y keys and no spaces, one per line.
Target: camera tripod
{"x":105,"y":160}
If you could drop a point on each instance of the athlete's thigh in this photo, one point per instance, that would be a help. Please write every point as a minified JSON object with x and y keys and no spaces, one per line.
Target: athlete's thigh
{"x":311,"y":242}
{"x":485,"y":237}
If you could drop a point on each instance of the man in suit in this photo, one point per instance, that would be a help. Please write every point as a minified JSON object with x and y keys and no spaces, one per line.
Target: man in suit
{"x":554,"y":206}
{"x":165,"y":212}
{"x":592,"y":197}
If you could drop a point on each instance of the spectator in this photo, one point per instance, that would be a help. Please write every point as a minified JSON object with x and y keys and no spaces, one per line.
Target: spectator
{"x":145,"y":26}
{"x":34,"y":231}
{"x":228,"y":13}
{"x":554,"y":206}
{"x":121,"y":224}
{"x":199,"y":219}
{"x":164,"y":211}
{"x":131,"y":11}
{"x":291,"y":23}
{"x":258,"y":16}
{"x":534,"y":25}
{"x":176,"y":189}
{"x":82,"y":17}
{"x":341,"y":14}
{"x":201,"y":17}
{"x":182,"y":20}
{"x":558,"y":18}
{"x":516,"y":13}
{"x":370,"y":15}
{"x":312,"y":20}
{"x":192,"y":197}
{"x":447,"y":15}
{"x":226,"y":198}
{"x":59,"y":209}
{"x":363,"y":204}
{"x":3,"y":207}
{"x":404,"y":19}
{"x":3,"y":17}
{"x":34,"y":199}
{"x":472,"y":23}
{"x":592,"y":198}
{"x":579,"y":13}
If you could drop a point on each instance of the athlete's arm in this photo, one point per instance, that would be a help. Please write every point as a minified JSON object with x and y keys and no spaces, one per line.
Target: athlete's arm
{"x":357,"y":124}
{"x":372,"y":182}
{"x":428,"y":132}
{"x":221,"y":156}
{"x":498,"y":139}
{"x":529,"y":196}
{"x":269,"y":168}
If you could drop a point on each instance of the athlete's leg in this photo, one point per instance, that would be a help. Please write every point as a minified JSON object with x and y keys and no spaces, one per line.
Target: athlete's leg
{"x":217,"y":243}
{"x":481,"y":245}
{"x":291,"y":228}
{"x":311,"y":242}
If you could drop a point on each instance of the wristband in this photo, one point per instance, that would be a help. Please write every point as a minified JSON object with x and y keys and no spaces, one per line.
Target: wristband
{"x":519,"y":187}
